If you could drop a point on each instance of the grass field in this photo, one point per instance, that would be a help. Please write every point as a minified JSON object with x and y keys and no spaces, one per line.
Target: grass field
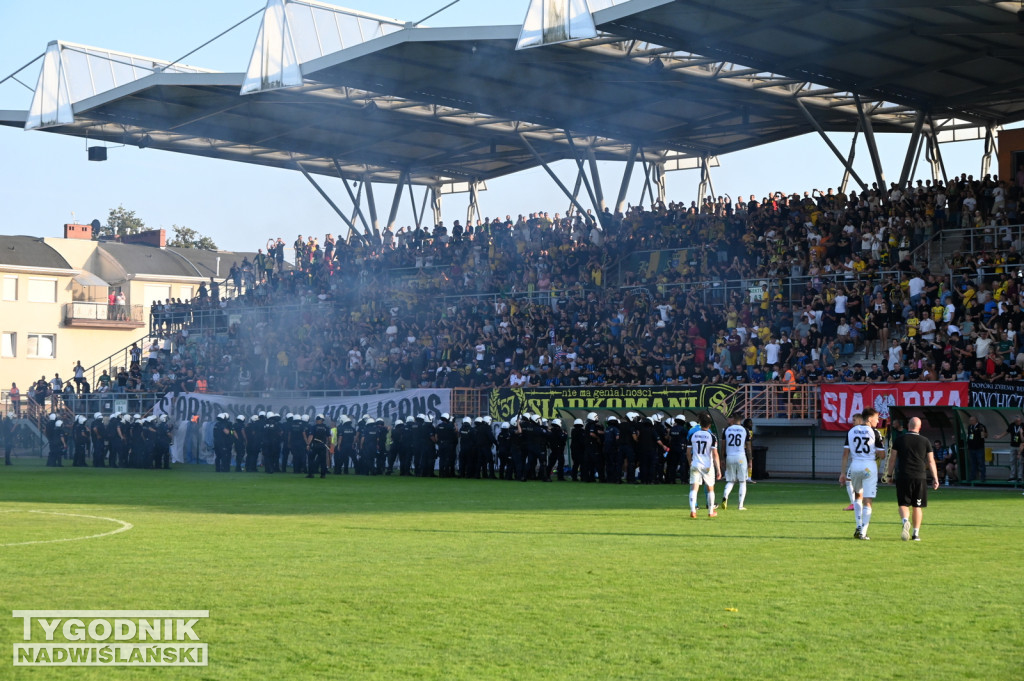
{"x":402,"y":578}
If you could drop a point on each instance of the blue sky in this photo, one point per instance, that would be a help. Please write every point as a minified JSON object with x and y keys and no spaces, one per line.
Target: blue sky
{"x":47,"y":178}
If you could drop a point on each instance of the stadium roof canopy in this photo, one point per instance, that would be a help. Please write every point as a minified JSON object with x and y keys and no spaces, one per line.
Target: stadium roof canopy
{"x":959,"y":58}
{"x":675,"y":83}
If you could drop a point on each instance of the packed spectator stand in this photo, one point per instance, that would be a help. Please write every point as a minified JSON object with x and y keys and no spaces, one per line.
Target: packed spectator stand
{"x":531,"y":301}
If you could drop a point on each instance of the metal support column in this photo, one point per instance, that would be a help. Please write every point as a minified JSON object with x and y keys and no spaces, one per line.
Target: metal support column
{"x":417,"y":217}
{"x":934,"y":154}
{"x":474,"y":204}
{"x":399,"y":188}
{"x":821,"y":132}
{"x":352,"y":196}
{"x":575,"y":192}
{"x":595,"y":177}
{"x":627,"y":175}
{"x":915,"y":137}
{"x":351,"y":227}
{"x":372,"y":205}
{"x":435,"y":204}
{"x":990,"y":149}
{"x":917,"y":156}
{"x":551,"y":174}
{"x":659,"y":179}
{"x":848,"y":164}
{"x":583,"y":173}
{"x":869,"y":137}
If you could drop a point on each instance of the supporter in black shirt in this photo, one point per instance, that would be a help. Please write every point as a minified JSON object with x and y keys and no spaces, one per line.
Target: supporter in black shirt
{"x":875,"y":375}
{"x":859,"y":375}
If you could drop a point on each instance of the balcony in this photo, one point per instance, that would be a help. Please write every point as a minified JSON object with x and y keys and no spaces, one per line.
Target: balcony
{"x":102,"y":316}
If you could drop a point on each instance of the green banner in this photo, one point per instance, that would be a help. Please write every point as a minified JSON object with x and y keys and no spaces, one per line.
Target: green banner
{"x":551,"y":402}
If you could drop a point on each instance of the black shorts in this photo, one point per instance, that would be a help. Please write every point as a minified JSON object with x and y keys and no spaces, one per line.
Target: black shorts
{"x":913,"y":493}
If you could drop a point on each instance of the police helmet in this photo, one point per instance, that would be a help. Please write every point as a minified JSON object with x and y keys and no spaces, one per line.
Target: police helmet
{"x":556,"y":422}
{"x":411,"y":420}
{"x":478,"y":419}
{"x":380,"y":420}
{"x":467,"y":420}
{"x":487,"y":420}
{"x":80,"y":419}
{"x":97,"y":415}
{"x":240,"y":417}
{"x":163,"y":418}
{"x":262,"y":414}
{"x":58,"y":424}
{"x":137,"y":417}
{"x":613,"y":418}
{"x":319,"y":417}
{"x":592,"y":416}
{"x":681,"y":418}
{"x":53,"y":417}
{"x":445,"y":416}
{"x":505,"y":425}
{"x":578,"y":422}
{"x":305,"y":418}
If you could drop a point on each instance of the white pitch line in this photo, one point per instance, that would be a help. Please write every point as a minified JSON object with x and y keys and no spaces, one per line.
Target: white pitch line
{"x":125,"y":526}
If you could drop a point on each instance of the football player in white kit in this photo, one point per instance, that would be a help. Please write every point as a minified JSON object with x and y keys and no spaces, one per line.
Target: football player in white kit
{"x":864,"y":447}
{"x":737,"y":455}
{"x":705,"y":466}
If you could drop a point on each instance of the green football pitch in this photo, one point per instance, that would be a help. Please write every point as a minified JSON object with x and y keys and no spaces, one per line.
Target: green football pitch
{"x":402,"y":578}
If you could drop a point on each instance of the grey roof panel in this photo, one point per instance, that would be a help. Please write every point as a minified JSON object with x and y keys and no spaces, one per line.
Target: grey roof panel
{"x":30,"y":251}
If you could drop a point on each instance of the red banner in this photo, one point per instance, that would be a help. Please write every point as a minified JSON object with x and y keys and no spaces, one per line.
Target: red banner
{"x":840,"y":401}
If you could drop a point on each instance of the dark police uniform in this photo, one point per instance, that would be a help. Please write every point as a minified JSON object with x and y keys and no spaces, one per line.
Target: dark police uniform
{"x":316,"y":438}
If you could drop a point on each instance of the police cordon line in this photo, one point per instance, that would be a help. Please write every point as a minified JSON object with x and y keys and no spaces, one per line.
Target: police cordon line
{"x":632,"y":448}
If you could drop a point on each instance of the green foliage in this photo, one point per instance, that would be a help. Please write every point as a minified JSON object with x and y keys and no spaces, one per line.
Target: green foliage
{"x":121,"y":222}
{"x":376,"y":578}
{"x":186,"y":237}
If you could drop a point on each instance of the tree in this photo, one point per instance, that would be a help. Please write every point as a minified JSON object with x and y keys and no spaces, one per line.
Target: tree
{"x":186,"y":237}
{"x":121,"y":222}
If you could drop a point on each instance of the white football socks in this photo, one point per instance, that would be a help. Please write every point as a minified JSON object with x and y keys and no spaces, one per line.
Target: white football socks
{"x":858,"y":509}
{"x":743,"y":493}
{"x":728,"y":490}
{"x":711,"y":501}
{"x":849,"y":490}
{"x":693,"y":501}
{"x":866,"y":514}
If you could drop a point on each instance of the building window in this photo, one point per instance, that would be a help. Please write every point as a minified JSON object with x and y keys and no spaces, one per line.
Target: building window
{"x":42,"y":345}
{"x":42,"y":290}
{"x":10,"y":287}
{"x":9,"y":345}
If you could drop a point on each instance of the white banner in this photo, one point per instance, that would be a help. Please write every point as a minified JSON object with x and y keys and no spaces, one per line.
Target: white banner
{"x":194,"y":413}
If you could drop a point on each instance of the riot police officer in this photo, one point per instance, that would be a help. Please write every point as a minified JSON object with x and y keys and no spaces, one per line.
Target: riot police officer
{"x":316,"y":440}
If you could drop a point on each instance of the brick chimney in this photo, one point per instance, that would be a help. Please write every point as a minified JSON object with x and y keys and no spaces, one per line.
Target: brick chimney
{"x":73,"y":231}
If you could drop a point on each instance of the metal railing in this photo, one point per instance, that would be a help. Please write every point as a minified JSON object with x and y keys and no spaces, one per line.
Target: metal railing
{"x":102,"y":312}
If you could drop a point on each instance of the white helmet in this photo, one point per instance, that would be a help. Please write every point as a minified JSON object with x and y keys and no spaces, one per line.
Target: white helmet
{"x":514,"y":420}
{"x":305,"y":418}
{"x":97,"y":415}
{"x":240,"y":417}
{"x":487,"y":420}
{"x":379,"y":420}
{"x":478,"y":419}
{"x":467,"y":420}
{"x":578,"y":422}
{"x":421,"y":417}
{"x":163,"y":418}
{"x":344,"y":419}
{"x":681,"y":418}
{"x":656,"y":418}
{"x":632,"y":415}
{"x":319,"y":417}
{"x":271,"y":415}
{"x":693,"y":424}
{"x":505,"y":425}
{"x":556,"y":422}
{"x":53,"y":417}
{"x":58,"y":424}
{"x":254,"y":418}
{"x":80,"y":419}
{"x":535,"y":418}
{"x":445,"y":416}
{"x":139,"y":416}
{"x":410,"y":420}
{"x":263,"y":414}
{"x":592,"y":416}
{"x":289,"y":416}
{"x":613,"y":418}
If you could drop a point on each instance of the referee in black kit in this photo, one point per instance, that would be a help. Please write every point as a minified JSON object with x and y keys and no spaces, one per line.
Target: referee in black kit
{"x":914,"y":460}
